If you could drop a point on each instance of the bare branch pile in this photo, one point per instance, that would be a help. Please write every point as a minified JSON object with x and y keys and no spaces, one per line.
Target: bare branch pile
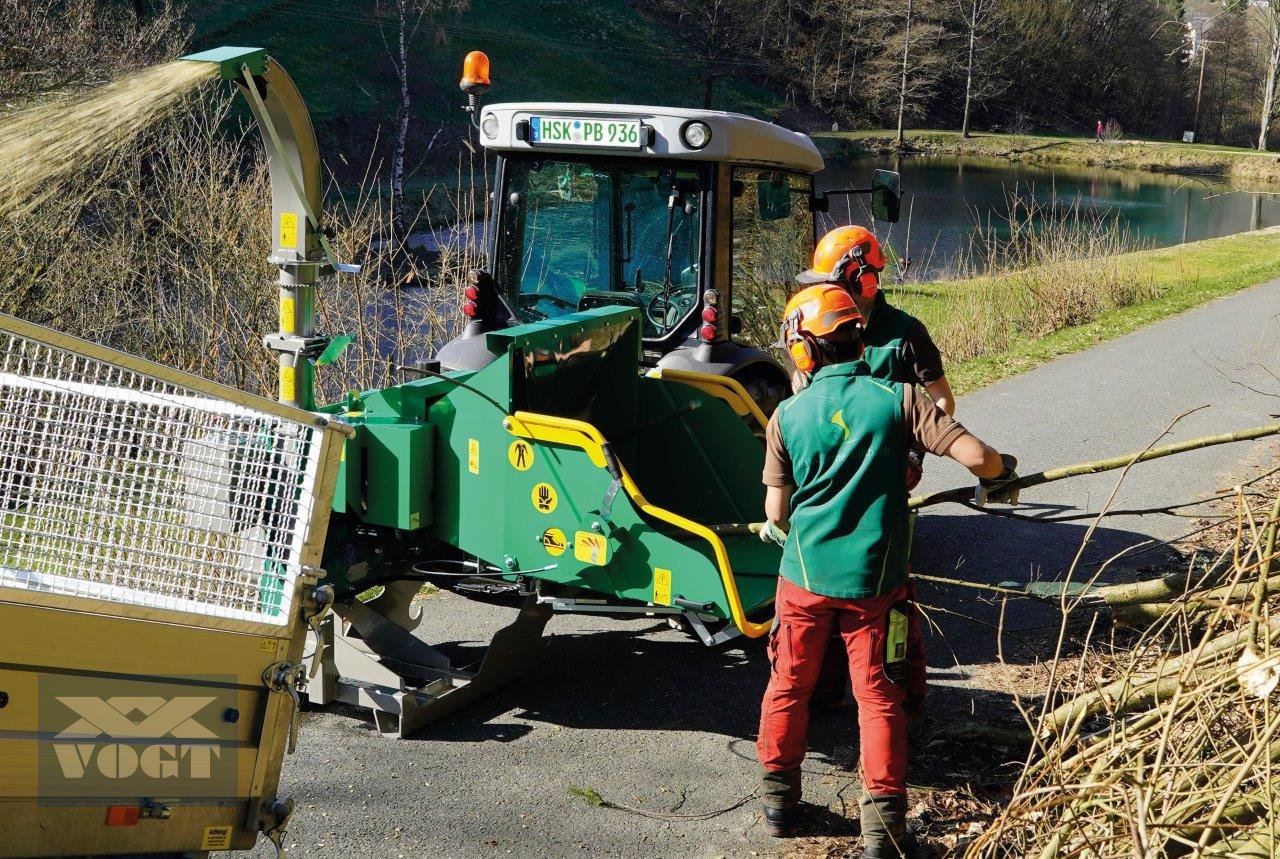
{"x":1169,"y":745}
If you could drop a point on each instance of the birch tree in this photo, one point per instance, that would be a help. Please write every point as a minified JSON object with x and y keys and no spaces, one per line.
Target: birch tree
{"x":1270,"y":12}
{"x":407,"y":18}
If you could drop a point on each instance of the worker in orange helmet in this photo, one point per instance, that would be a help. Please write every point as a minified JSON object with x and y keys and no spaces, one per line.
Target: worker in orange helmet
{"x":898,"y":348}
{"x":836,"y":502}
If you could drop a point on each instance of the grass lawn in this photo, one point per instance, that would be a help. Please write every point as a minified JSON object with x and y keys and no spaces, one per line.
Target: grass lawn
{"x":1225,"y":162}
{"x":1184,"y":276}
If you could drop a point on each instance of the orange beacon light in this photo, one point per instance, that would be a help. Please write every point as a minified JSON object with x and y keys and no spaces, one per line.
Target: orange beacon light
{"x":475,"y":72}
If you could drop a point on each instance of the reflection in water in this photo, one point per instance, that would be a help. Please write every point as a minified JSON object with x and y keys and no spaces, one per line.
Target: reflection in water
{"x":948,"y":197}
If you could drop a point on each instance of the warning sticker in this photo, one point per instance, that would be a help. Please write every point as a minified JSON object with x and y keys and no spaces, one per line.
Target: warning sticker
{"x":289,"y":229}
{"x":473,"y":455}
{"x":554,"y":541}
{"x":287,"y":319}
{"x":544,"y":497}
{"x":591,"y":548}
{"x":520,"y":453}
{"x":661,"y":586}
{"x":216,"y":838}
{"x":288,"y":385}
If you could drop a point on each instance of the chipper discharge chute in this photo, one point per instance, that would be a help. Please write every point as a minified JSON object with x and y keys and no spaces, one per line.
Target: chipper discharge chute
{"x":159,"y":538}
{"x":556,"y":475}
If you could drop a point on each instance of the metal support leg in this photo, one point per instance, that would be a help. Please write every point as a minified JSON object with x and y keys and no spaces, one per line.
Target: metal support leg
{"x":378,"y":664}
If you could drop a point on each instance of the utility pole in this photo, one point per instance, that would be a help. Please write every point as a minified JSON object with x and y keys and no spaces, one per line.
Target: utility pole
{"x":902,"y":93}
{"x":1204,"y":53}
{"x":1195,"y":123}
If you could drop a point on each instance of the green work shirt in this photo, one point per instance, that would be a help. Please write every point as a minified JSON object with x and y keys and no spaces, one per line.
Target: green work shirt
{"x":846,"y":436}
{"x":898,"y":347}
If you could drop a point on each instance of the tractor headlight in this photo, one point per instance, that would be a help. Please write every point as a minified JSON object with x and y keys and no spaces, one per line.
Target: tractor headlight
{"x":489,"y":125}
{"x":696,"y":134}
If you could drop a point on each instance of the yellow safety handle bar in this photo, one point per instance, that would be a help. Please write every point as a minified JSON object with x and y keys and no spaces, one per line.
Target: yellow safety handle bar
{"x":585,"y":437}
{"x":720,"y":387}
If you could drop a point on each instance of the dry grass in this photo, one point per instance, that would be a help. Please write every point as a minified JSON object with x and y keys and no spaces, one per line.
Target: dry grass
{"x":1043,"y":268}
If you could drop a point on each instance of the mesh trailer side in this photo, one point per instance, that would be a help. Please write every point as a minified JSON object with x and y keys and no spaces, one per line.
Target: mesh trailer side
{"x":124,"y":481}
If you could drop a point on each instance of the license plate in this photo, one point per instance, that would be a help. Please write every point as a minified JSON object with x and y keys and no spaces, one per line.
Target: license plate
{"x":584,"y":131}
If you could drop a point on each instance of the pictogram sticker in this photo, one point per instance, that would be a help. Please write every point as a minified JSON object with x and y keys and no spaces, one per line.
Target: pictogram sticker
{"x":544,"y":497}
{"x":591,"y":548}
{"x":554,"y":541}
{"x":289,"y":230}
{"x":473,"y":455}
{"x":661,"y":586}
{"x":520,"y":453}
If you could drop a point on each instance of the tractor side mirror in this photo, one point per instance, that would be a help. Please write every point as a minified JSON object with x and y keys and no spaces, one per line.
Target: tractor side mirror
{"x":886,"y":195}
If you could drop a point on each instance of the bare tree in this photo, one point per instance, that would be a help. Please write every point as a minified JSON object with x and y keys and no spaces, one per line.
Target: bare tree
{"x":906,"y":55}
{"x":979,"y":85}
{"x":713,"y":29}
{"x":1270,"y":12}
{"x":407,"y":17}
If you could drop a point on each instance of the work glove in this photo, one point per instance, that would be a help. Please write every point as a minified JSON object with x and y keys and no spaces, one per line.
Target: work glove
{"x":771,"y":533}
{"x":915,"y":468}
{"x":987,"y":494}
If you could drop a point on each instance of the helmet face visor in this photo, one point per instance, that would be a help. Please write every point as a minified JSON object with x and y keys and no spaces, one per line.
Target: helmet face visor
{"x":809,"y":277}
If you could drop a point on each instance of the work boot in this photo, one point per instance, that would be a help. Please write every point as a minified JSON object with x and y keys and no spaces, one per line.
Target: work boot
{"x":780,"y":822}
{"x":915,"y":724}
{"x":884,"y":827}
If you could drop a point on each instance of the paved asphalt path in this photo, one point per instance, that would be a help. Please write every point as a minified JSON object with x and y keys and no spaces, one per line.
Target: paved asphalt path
{"x":649,"y":718}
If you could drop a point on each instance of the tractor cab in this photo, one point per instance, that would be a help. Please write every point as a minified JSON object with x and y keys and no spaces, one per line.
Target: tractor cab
{"x":700,"y":219}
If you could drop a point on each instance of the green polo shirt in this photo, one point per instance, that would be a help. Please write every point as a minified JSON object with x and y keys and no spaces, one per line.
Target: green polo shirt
{"x":841,"y":443}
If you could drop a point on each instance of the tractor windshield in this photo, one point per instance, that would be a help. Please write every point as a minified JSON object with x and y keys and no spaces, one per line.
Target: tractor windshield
{"x":577,"y":234}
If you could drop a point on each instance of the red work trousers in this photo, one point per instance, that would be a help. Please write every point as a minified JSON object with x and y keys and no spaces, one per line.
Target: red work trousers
{"x":805,"y":623}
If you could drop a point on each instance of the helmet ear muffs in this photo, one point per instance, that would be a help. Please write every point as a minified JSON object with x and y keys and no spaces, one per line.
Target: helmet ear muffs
{"x":868,"y":283}
{"x":804,"y":352}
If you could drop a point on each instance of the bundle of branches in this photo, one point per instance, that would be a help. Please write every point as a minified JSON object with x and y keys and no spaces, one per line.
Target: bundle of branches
{"x":1169,"y":744}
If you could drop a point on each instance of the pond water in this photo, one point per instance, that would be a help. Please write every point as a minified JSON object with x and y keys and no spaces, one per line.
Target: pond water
{"x":947,"y":197}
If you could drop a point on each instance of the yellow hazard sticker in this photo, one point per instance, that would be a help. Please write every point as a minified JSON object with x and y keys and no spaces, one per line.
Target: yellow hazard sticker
{"x":591,"y":548}
{"x":554,"y":541}
{"x":289,"y":230}
{"x":473,"y":455}
{"x":288,"y":385}
{"x":216,"y":838}
{"x":415,"y":519}
{"x":661,"y":586}
{"x":520,"y":453}
{"x":267,"y":645}
{"x":287,"y":319}
{"x":544,"y":498}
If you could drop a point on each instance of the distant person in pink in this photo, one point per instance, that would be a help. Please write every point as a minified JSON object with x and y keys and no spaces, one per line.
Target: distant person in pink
{"x":1097,"y":133}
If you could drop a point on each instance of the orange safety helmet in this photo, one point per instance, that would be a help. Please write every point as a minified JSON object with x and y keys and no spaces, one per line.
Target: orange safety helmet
{"x":812,"y":313}
{"x":850,"y":256}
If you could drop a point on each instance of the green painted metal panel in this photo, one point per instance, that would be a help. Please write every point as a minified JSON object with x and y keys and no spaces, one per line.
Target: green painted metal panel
{"x":230,"y":59}
{"x":398,"y":459}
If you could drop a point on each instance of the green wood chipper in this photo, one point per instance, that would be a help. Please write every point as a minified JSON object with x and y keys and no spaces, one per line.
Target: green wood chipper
{"x":575,"y":448}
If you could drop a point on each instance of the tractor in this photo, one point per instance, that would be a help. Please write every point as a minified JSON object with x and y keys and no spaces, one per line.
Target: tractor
{"x":697,"y":218}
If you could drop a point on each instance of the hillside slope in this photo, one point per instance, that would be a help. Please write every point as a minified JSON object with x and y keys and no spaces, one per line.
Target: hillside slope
{"x":571,"y":50}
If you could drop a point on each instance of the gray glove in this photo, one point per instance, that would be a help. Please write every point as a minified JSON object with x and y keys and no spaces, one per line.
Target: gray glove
{"x":989,"y":491}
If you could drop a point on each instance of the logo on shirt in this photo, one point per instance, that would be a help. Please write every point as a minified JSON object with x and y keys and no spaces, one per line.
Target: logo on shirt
{"x":838,"y":420}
